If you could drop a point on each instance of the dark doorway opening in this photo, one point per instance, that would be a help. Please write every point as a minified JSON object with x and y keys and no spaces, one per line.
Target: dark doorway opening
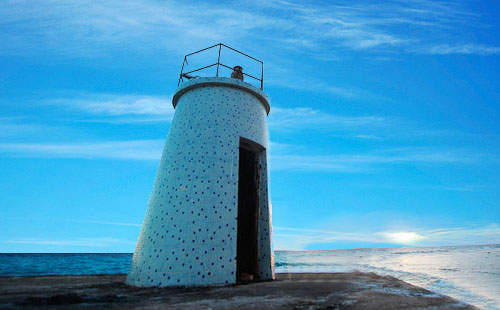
{"x":247,"y":268}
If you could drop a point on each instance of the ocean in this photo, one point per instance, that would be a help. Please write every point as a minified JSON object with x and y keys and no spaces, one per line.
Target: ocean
{"x":467,"y":273}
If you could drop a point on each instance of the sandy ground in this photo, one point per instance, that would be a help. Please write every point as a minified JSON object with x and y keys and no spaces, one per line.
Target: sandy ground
{"x":289,"y":291}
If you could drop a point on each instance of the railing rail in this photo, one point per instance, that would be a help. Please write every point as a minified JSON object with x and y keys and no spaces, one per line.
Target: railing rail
{"x":218,"y":64}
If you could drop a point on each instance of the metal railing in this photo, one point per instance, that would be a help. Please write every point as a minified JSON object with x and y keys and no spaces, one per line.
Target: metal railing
{"x":219,"y":64}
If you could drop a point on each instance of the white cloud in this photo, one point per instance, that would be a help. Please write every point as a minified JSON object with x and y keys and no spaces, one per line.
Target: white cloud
{"x":128,"y":150}
{"x":475,"y":49}
{"x":305,"y":117}
{"x":126,"y":105}
{"x":329,"y":27}
{"x":472,"y":235}
{"x":368,"y":137}
{"x":362,"y":127}
{"x":85,"y":242}
{"x":289,"y":238}
{"x":164,"y":31}
{"x":86,"y":28}
{"x":15,"y":126}
{"x":292,"y":158}
{"x":121,"y":107}
{"x":112,"y":223}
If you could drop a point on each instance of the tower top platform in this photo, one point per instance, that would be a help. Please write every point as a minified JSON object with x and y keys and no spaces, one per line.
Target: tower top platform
{"x":198,"y":72}
{"x":220,"y":81}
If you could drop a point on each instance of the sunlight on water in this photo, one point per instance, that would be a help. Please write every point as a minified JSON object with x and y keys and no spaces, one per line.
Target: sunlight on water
{"x":467,"y":273}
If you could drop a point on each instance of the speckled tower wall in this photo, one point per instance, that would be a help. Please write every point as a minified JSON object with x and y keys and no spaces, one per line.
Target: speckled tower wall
{"x":189,"y":233}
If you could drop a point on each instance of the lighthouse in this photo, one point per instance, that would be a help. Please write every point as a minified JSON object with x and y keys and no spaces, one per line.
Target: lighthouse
{"x":208,"y":220}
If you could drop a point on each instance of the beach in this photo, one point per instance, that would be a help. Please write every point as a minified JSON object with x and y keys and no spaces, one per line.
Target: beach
{"x":349,"y":290}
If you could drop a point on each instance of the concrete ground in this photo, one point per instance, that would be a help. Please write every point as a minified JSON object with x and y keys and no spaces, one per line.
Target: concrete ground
{"x":354,"y":290}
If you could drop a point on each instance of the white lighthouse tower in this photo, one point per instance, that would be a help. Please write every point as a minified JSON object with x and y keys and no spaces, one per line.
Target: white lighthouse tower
{"x":208,"y":219}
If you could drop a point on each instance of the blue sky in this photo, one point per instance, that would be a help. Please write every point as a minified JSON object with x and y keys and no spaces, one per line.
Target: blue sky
{"x":384,"y":120}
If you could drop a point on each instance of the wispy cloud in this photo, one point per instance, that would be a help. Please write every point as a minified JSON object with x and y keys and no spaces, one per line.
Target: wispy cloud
{"x":305,"y":117}
{"x":369,"y":128}
{"x":413,"y":187}
{"x":123,"y":105}
{"x":72,"y":220}
{"x":87,"y":28}
{"x":119,"y":108}
{"x":368,"y":137}
{"x":297,"y":238}
{"x":321,"y":31}
{"x":112,"y":223}
{"x":128,"y":150}
{"x":289,"y":158}
{"x":11,"y":127}
{"x":376,"y":27}
{"x":476,"y":49}
{"x":31,"y":128}
{"x":91,"y":29}
{"x":84,"y":242}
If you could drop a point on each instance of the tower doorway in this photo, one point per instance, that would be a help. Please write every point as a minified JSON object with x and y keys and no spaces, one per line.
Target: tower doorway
{"x":247,"y":256}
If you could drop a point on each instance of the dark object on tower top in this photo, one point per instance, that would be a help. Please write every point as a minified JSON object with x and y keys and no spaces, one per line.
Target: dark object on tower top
{"x":187,"y":76}
{"x":237,"y":73}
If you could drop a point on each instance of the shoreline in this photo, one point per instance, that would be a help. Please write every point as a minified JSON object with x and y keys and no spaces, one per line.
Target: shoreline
{"x":351,"y":290}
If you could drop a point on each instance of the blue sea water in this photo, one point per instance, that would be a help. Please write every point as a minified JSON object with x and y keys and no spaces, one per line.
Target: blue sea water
{"x":467,"y":273}
{"x":38,"y":264}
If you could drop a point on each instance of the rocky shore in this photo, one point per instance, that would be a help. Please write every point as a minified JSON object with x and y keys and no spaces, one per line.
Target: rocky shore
{"x":353,"y":290}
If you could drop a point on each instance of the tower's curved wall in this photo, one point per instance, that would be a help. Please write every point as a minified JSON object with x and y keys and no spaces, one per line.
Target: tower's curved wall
{"x":189,"y":234}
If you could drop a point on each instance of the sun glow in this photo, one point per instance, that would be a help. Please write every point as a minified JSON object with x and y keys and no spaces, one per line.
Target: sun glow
{"x":403,"y":237}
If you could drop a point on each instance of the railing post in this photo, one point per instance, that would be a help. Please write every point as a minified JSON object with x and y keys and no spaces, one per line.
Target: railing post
{"x":218,"y":60}
{"x":180,"y":75}
{"x":262,"y":77}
